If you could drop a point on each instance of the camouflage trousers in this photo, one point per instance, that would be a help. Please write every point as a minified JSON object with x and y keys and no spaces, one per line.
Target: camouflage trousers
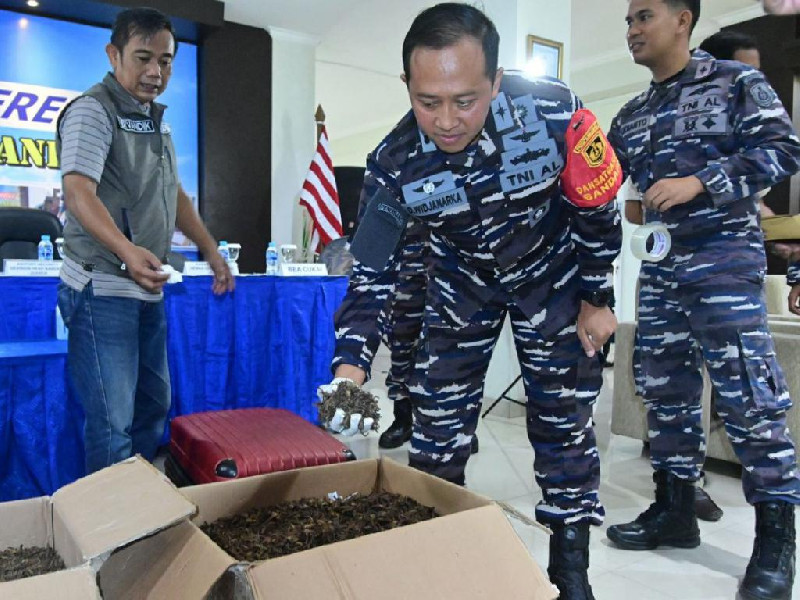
{"x":561,"y":385}
{"x":721,"y":322}
{"x":402,"y":327}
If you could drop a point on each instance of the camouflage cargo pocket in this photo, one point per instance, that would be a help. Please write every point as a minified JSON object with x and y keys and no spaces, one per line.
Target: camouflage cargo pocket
{"x":762,"y":375}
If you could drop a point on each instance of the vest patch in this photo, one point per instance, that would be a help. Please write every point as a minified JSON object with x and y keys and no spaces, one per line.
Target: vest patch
{"x":529,"y":154}
{"x":537,"y":132}
{"x":501,"y":111}
{"x":536,"y":214}
{"x":711,"y":124}
{"x":703,"y":68}
{"x":592,"y":146}
{"x":136,"y":125}
{"x":525,"y":109}
{"x":392,"y":212}
{"x":426,"y":142}
{"x":433,"y":185}
{"x":705,"y":97}
{"x":763,"y":94}
{"x":533,"y":174}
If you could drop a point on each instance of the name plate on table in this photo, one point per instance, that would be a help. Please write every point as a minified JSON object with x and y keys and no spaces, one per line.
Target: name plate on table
{"x":303,"y":269}
{"x":18,"y":267}
{"x":195,"y":267}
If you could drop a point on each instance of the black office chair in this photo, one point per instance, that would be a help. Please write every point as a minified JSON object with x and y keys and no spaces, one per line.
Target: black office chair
{"x":349,"y":181}
{"x":21,"y":229}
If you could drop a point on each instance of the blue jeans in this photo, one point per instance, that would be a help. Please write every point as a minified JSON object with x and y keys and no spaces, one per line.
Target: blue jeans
{"x":118,"y":364}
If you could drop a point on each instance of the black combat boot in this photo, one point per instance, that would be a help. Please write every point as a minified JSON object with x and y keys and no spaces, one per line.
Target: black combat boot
{"x":569,"y":561}
{"x":770,"y":572}
{"x":399,"y":432}
{"x":704,"y":506}
{"x":670,"y":520}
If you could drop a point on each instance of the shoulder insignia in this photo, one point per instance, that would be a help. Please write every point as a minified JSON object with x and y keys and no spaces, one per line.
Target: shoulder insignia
{"x":763,"y":94}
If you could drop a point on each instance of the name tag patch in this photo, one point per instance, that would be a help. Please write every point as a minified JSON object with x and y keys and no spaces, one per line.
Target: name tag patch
{"x":136,"y":125}
{"x":436,"y":204}
{"x":637,"y":126}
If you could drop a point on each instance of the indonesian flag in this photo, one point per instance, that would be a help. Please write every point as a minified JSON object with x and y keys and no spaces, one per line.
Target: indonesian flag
{"x":320,"y":197}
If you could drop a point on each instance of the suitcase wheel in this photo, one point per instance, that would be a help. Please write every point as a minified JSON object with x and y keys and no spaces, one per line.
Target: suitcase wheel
{"x":227,"y":468}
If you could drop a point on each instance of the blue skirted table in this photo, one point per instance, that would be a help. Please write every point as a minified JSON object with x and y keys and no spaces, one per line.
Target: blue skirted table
{"x":268,"y":344}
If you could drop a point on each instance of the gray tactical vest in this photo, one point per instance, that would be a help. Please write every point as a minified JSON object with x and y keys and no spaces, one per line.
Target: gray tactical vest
{"x":139,"y":185}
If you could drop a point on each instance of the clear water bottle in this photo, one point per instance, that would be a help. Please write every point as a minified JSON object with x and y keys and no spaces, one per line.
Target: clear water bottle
{"x":223,"y":250}
{"x":45,"y":248}
{"x":272,"y":259}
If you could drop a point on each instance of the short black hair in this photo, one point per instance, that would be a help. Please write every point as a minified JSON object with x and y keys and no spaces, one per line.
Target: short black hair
{"x":143,"y":21}
{"x":724,"y":44}
{"x":691,"y":5}
{"x":446,"y":24}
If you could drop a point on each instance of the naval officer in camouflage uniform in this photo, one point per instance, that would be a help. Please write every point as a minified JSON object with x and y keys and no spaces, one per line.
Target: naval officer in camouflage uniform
{"x":401,"y":323}
{"x":402,"y":326}
{"x":478,"y":161}
{"x":700,"y":144}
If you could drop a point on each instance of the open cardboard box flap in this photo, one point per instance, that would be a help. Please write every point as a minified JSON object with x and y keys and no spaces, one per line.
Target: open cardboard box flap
{"x":86,"y":521}
{"x":29,"y":523}
{"x":471,"y":551}
{"x":113,"y":507}
{"x":180,"y":562}
{"x":73,"y":584}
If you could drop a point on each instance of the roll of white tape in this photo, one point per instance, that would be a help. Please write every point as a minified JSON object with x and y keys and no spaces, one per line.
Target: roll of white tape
{"x":650,"y":242}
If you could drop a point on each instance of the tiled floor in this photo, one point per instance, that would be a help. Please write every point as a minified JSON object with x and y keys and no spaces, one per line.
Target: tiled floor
{"x":503,"y":470}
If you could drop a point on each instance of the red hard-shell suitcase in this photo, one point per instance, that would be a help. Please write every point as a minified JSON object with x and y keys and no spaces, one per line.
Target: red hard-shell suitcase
{"x":228,"y":444}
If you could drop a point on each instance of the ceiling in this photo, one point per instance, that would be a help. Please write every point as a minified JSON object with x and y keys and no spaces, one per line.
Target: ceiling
{"x":358,"y":49}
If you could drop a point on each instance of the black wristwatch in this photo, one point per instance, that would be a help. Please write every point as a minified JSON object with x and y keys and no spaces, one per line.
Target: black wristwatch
{"x":598,"y":298}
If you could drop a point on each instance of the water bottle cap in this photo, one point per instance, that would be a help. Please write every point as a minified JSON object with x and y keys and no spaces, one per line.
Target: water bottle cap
{"x":272,"y":244}
{"x":45,"y":238}
{"x":223,"y":243}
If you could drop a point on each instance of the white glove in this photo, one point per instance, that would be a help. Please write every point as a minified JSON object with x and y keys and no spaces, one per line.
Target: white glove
{"x":339,"y":418}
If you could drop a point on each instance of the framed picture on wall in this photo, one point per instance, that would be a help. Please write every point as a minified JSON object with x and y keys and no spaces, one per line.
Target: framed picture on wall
{"x":545,"y":57}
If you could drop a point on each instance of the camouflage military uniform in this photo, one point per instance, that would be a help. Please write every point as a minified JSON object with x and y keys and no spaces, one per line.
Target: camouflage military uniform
{"x":402,"y":317}
{"x":723,"y":123}
{"x":793,"y":274}
{"x":503,"y":239}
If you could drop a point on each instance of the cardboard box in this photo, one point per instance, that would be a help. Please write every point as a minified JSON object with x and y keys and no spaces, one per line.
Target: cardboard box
{"x":177,"y":563}
{"x":469,"y":552}
{"x":86,"y":522}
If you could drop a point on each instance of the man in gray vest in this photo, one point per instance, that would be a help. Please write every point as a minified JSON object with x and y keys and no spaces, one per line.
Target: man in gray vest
{"x":123,"y":200}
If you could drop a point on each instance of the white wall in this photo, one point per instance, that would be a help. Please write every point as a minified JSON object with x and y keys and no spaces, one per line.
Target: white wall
{"x":352,"y":150}
{"x":293,"y":128}
{"x":545,"y":19}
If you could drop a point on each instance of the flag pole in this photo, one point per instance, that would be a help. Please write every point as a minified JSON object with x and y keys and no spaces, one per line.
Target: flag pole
{"x":310,"y":233}
{"x":319,"y":117}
